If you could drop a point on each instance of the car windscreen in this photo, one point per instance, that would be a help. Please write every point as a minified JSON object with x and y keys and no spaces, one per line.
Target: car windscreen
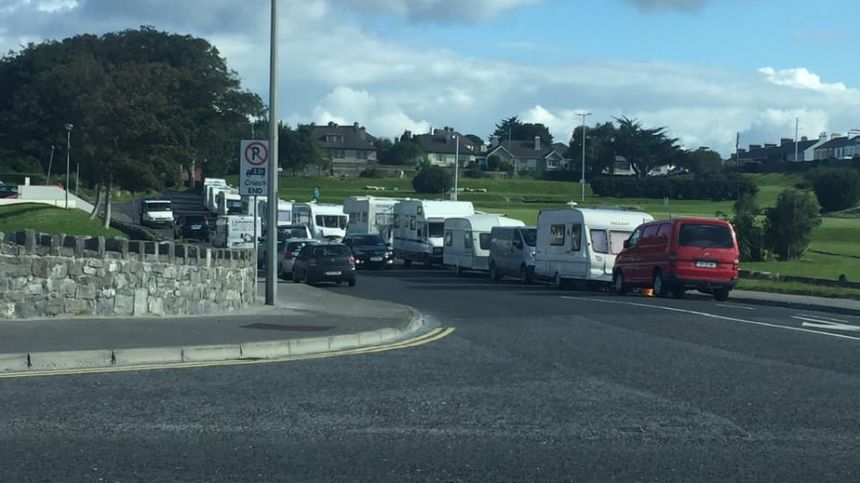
{"x":530,"y":236}
{"x":156,"y":206}
{"x":435,"y":230}
{"x":366,"y":240}
{"x":705,"y":236}
{"x":331,"y":251}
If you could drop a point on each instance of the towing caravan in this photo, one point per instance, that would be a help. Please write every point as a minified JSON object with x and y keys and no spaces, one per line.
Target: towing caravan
{"x":419,"y":227}
{"x":213,"y":191}
{"x":208,"y":194}
{"x":581,"y":243}
{"x":467,"y":240}
{"x":285,"y":211}
{"x":229,"y":203}
{"x":370,"y":215}
{"x":325,"y":221}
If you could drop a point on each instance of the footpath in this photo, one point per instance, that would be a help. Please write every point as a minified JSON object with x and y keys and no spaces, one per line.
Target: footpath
{"x":304,"y":321}
{"x":802,"y":302}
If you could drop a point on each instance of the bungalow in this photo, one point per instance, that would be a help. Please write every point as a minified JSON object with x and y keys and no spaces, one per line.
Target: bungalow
{"x":535,"y":156}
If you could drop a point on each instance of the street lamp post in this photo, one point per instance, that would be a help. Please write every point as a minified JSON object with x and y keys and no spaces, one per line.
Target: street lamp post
{"x":77,"y":177}
{"x":456,"y":165}
{"x":50,"y":163}
{"x":582,"y":178}
{"x":272,"y":238}
{"x":68,"y":157}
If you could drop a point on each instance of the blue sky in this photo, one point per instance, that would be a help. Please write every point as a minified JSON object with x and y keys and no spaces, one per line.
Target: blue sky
{"x":706,"y":69}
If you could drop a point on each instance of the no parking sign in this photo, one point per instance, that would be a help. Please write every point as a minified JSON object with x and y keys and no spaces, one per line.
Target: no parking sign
{"x":254,"y":168}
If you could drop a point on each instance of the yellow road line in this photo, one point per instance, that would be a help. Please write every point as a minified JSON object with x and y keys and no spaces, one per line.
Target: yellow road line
{"x":427,"y":338}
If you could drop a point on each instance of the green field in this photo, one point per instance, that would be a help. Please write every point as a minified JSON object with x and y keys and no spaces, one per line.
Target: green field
{"x":48,"y":219}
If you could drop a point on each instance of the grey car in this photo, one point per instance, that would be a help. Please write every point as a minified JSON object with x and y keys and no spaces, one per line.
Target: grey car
{"x":289,"y":250}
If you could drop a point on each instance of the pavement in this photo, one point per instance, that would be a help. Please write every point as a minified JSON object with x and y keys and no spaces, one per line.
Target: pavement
{"x":824,"y":304}
{"x":305,"y":320}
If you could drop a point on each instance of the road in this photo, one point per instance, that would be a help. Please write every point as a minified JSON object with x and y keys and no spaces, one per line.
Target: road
{"x":183,"y":203}
{"x":534,"y":385}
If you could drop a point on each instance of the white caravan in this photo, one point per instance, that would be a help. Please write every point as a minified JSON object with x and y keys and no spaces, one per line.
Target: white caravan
{"x":581,"y":243}
{"x":229,"y":203}
{"x":234,"y":231}
{"x":419,"y":227}
{"x":326,"y":222}
{"x":208,"y":194}
{"x":212,"y":197}
{"x":285,"y":211}
{"x":467,"y":240}
{"x":370,"y":215}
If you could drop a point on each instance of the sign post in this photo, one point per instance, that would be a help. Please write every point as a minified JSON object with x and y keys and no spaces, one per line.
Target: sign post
{"x":254,"y":178}
{"x":272,"y":205}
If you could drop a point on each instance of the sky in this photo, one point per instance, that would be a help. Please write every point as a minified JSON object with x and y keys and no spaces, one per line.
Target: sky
{"x":704,"y":69}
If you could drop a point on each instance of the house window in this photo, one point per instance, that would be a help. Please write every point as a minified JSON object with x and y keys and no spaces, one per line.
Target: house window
{"x":440,"y":158}
{"x":336,"y":153}
{"x":531,"y":164}
{"x":556,"y":235}
{"x":575,"y":237}
{"x":334,"y":138}
{"x":359,"y":154}
{"x":551,"y":163}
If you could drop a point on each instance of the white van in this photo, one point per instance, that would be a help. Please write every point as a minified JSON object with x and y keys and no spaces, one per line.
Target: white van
{"x":581,"y":243}
{"x":234,"y":231}
{"x":207,"y":192}
{"x":419,"y":227}
{"x":370,"y":215}
{"x":326,"y":222}
{"x":467,"y":241}
{"x":229,"y":203}
{"x":512,"y":252}
{"x":156,"y":213}
{"x":212,"y":197}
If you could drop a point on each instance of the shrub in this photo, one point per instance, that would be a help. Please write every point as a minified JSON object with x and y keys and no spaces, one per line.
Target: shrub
{"x":836,"y":188}
{"x":371,"y":173}
{"x":675,"y":187}
{"x":789,"y":225}
{"x":433,"y":179}
{"x":749,"y":232}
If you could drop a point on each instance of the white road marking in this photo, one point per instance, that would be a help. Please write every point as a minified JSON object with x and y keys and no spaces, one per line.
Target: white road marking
{"x":826,"y":324}
{"x":732,"y":306}
{"x":715,"y":316}
{"x":830,"y":319}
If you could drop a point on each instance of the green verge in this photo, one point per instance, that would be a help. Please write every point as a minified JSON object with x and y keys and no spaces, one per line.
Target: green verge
{"x":48,"y":219}
{"x":796,"y":288}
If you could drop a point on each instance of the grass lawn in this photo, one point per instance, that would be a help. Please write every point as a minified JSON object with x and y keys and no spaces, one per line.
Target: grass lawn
{"x":795,"y":288}
{"x":48,"y":219}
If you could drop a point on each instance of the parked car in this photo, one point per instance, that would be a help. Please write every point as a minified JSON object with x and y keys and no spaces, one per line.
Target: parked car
{"x":192,"y":227}
{"x":285,"y":232}
{"x":672,"y":256}
{"x":512,"y":252}
{"x":369,"y":251}
{"x":289,"y":250}
{"x":325,"y":262}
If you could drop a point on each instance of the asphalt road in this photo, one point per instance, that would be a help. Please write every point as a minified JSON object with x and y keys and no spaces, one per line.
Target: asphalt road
{"x":534,"y":385}
{"x":183,"y":203}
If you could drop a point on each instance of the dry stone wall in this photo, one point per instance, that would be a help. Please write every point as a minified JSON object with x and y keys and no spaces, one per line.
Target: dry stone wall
{"x":58,"y":276}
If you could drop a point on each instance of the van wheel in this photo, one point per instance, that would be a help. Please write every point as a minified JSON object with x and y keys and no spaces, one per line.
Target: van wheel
{"x":660,"y":289}
{"x":494,"y":275}
{"x":618,"y":283}
{"x":557,"y":281}
{"x":721,"y":294}
{"x":459,"y":270}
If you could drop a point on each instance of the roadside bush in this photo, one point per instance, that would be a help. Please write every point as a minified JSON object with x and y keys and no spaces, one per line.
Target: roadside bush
{"x":371,"y":173}
{"x":789,"y":225}
{"x":433,"y":180}
{"x":836,"y":188}
{"x":674,"y":187}
{"x":749,"y":232}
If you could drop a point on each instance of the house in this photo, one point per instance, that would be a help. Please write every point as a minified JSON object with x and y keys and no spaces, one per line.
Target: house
{"x":782,"y":153}
{"x":349,"y":147}
{"x":533,"y":155}
{"x":440,"y":147}
{"x":839,"y":147}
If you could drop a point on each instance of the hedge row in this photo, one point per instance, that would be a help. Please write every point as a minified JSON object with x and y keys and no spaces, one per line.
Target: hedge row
{"x":677,"y":187}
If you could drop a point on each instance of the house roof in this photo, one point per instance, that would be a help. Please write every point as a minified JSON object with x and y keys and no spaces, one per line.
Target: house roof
{"x":442,"y":142}
{"x":777,"y":151}
{"x":526,"y":149}
{"x":354,"y":136}
{"x":839,"y":142}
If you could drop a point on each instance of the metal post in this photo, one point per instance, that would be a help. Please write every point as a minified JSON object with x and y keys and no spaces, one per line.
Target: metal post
{"x":582,"y":178}
{"x":456,"y":165}
{"x":77,"y":177}
{"x":796,"y":129}
{"x":272,"y":237}
{"x":737,"y":150}
{"x":68,"y":157}
{"x":256,"y":241}
{"x":50,"y":163}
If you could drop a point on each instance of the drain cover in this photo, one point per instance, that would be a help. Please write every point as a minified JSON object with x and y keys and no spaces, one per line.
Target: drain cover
{"x":294,"y":328}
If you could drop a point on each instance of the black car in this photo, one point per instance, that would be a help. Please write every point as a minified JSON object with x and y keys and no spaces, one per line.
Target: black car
{"x":369,"y":251}
{"x":192,"y":227}
{"x":325,"y":262}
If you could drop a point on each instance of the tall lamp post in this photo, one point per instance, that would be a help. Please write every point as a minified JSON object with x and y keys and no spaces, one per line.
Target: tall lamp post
{"x":582,"y":178}
{"x":68,"y":172}
{"x":456,"y":165}
{"x":50,"y":164}
{"x":272,"y":205}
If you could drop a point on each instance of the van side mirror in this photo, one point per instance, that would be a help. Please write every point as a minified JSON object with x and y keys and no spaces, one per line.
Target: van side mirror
{"x":626,"y":243}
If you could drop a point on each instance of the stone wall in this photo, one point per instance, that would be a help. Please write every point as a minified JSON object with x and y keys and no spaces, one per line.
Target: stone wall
{"x":57,"y":276}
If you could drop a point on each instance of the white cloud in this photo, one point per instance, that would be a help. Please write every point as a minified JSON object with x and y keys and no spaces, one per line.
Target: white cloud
{"x":799,"y":78}
{"x":382,"y":118}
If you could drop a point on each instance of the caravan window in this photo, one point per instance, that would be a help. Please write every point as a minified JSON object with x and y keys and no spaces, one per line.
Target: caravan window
{"x":467,"y":240}
{"x":331,"y":221}
{"x":412,"y":223}
{"x":303,"y":218}
{"x":575,"y":237}
{"x":449,"y":238}
{"x":396,"y":221}
{"x":616,"y":241}
{"x":484,"y":239}
{"x":383,"y":219}
{"x":556,"y":235}
{"x":599,"y":241}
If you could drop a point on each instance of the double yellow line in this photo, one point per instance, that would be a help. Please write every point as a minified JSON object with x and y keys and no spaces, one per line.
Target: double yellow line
{"x":426,"y":338}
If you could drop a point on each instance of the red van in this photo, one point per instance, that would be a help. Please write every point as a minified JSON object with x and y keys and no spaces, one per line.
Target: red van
{"x":671,"y":256}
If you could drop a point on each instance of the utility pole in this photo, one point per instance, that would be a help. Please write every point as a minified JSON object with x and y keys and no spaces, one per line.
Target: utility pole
{"x":796,"y":129}
{"x":582,"y":178}
{"x":50,"y":163}
{"x":738,"y":149}
{"x":68,"y":147}
{"x":77,"y":177}
{"x":456,"y":165}
{"x":272,"y":237}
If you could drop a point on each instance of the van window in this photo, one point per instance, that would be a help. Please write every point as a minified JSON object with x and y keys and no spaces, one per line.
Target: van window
{"x":665,"y":231}
{"x":484,"y":240}
{"x":467,"y":240}
{"x":556,"y":235}
{"x":599,"y":241}
{"x":529,"y":236}
{"x":649,"y":236}
{"x":449,"y":238}
{"x":705,"y":235}
{"x":575,"y":237}
{"x":435,"y":230}
{"x":634,"y":238}
{"x":616,"y":241}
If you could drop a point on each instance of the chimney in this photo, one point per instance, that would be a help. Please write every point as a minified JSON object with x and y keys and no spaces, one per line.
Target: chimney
{"x":835,"y":135}
{"x":804,"y":138}
{"x":784,"y":141}
{"x":332,"y":124}
{"x":769,"y":145}
{"x":537,"y":143}
{"x":494,"y":141}
{"x":355,"y":126}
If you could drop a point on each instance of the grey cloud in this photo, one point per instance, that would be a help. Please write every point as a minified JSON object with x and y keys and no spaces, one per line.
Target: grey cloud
{"x":436,"y":10}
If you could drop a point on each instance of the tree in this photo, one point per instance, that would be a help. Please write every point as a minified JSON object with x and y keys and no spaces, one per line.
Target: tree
{"x":403,"y":153}
{"x":645,"y":149}
{"x":433,"y":180}
{"x":515,"y":129}
{"x":297,"y":150}
{"x":599,"y":149}
{"x":836,"y":188}
{"x":701,"y":162}
{"x":476,"y":140}
{"x":749,"y":232}
{"x":789,"y":225}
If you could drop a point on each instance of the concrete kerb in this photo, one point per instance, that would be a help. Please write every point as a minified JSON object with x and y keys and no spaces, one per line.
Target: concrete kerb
{"x":833,"y":309}
{"x":95,"y":359}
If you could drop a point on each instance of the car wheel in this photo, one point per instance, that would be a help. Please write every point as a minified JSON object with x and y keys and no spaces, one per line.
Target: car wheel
{"x":660,"y":289}
{"x":352,"y":283}
{"x":721,"y":294}
{"x":307,"y":279}
{"x":618,"y":283}
{"x":557,"y":281}
{"x":524,"y":275}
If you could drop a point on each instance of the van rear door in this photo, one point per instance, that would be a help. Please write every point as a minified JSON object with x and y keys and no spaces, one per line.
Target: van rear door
{"x":706,"y":251}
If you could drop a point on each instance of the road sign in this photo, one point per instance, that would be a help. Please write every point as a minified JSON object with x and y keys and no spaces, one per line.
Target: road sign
{"x":254,"y":168}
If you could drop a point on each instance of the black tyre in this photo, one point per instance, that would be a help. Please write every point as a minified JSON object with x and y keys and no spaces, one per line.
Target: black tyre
{"x":721,"y":294}
{"x":557,"y":281}
{"x":494,"y":274}
{"x":618,"y":283}
{"x":659,"y":286}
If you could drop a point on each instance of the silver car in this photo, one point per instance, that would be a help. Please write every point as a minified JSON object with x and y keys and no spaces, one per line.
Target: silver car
{"x":288,"y":253}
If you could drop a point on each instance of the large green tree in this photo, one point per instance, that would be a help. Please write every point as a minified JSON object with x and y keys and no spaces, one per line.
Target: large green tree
{"x":297,"y":150}
{"x":644,"y":148}
{"x":513,"y":128}
{"x":701,"y":162}
{"x":599,"y":149}
{"x":401,"y":153}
